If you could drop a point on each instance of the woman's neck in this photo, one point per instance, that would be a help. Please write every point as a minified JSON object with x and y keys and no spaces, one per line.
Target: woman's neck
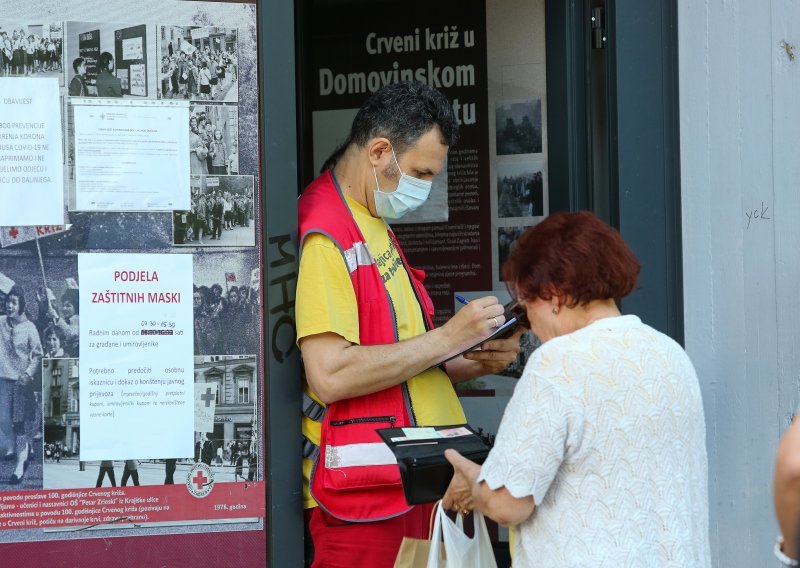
{"x":600,"y":309}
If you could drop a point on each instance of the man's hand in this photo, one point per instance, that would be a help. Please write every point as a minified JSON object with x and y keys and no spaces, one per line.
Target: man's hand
{"x":474,"y":321}
{"x":496,"y":355}
{"x":459,"y":494}
{"x":491,"y":358}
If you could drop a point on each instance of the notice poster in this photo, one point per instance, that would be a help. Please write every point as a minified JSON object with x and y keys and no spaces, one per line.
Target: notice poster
{"x":132,"y":48}
{"x":130,"y":157}
{"x":30,"y":152}
{"x":137,"y":355}
{"x":447,"y":49}
{"x":89,"y":50}
{"x":122,"y":75}
{"x":138,"y":80}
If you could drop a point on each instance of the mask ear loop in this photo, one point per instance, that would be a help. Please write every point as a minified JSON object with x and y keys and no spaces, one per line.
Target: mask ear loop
{"x":375,"y":173}
{"x":396,"y":162}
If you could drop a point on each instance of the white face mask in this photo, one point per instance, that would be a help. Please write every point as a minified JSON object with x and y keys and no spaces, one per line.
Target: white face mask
{"x":411,"y":192}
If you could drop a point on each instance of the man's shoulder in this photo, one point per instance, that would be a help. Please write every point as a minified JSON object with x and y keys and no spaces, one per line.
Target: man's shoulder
{"x":319,"y":204}
{"x":321,"y":187}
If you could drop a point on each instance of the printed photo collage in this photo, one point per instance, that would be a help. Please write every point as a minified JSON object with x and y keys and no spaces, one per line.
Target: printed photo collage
{"x":158,"y":247}
{"x":40,"y":414}
{"x":520,"y":195}
{"x":151,"y":121}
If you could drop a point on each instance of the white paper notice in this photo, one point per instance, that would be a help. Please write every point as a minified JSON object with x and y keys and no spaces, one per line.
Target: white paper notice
{"x":31,"y":165}
{"x":131,"y":158}
{"x":132,"y":48}
{"x":137,"y":356}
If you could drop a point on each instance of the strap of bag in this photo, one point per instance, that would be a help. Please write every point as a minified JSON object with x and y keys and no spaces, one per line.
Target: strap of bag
{"x":432,"y":517}
{"x":310,"y":450}
{"x":312,"y":409}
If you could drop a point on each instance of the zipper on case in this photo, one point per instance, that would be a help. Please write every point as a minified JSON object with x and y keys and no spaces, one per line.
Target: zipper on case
{"x":390,"y":419}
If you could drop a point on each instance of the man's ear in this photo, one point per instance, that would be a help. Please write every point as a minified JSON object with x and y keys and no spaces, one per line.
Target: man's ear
{"x":379,"y":151}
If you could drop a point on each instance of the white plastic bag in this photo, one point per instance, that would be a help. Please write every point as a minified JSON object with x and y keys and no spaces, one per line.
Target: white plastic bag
{"x":460,"y":550}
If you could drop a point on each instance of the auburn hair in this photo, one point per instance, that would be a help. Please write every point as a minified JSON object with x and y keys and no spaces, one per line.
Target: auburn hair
{"x":573,"y":256}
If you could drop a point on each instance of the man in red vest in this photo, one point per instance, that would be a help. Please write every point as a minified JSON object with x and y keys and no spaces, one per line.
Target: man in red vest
{"x":372,"y":357}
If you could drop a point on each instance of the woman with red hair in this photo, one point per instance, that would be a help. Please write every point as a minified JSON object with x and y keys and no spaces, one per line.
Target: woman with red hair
{"x":600,"y":458}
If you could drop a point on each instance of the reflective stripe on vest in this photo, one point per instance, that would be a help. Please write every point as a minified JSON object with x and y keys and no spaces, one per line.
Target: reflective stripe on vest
{"x":354,"y":455}
{"x":357,"y":255}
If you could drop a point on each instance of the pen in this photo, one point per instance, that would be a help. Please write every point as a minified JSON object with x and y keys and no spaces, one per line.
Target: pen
{"x":462,"y":299}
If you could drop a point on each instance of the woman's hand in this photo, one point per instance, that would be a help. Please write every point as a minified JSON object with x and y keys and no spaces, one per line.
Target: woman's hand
{"x":459,"y":494}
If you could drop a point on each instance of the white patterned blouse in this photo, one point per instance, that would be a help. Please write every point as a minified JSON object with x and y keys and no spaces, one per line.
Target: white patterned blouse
{"x":606,"y":431}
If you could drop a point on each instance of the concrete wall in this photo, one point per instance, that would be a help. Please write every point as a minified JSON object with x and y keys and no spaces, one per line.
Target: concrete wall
{"x":740,"y":129}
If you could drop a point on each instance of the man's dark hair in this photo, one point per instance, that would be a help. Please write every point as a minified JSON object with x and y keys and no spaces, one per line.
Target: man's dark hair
{"x":401,"y":112}
{"x":103,"y":61}
{"x":77,"y":62}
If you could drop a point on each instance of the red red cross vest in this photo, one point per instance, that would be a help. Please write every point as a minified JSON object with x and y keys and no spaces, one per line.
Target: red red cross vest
{"x":355,"y":476}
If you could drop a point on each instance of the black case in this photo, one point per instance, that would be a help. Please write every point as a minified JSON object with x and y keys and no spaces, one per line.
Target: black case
{"x":424,"y":470}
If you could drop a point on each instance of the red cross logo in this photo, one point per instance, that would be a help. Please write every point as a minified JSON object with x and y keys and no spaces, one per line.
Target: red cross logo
{"x":199,"y":479}
{"x":207,"y":397}
{"x":13,"y":232}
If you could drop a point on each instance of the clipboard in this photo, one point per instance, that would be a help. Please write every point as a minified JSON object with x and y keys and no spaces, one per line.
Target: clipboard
{"x":508,"y":328}
{"x":424,"y":470}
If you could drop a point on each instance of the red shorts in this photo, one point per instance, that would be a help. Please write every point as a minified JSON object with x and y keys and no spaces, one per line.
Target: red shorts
{"x":339,"y":544}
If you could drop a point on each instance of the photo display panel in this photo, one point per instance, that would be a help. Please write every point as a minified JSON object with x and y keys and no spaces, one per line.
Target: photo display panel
{"x":131,"y":370}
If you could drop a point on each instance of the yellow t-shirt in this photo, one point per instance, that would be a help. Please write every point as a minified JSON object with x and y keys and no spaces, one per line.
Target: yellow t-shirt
{"x":326,"y":302}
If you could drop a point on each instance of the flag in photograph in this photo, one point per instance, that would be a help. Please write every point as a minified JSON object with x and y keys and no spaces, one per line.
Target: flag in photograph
{"x":15,"y":235}
{"x":255,"y":279}
{"x":5,"y":283}
{"x":187,"y":47}
{"x":230,"y":277}
{"x":205,"y":403}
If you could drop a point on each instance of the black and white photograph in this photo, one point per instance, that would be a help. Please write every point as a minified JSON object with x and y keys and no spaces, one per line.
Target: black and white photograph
{"x":227,"y":303}
{"x":506,"y":241}
{"x":31,"y":50}
{"x":38,"y":317}
{"x":198,"y":63}
{"x":520,"y":189}
{"x":221,"y":215}
{"x":518,"y":127}
{"x":60,"y":411}
{"x":231,"y":449}
{"x":108,"y":60}
{"x":214,"y":139}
